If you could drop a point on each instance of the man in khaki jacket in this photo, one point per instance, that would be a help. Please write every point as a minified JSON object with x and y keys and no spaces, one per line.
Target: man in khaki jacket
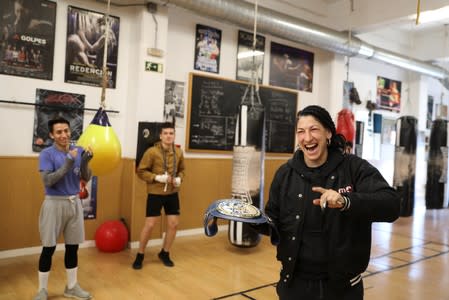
{"x":162,"y":168}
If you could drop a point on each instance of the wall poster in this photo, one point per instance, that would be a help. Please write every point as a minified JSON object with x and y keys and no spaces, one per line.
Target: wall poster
{"x":174,"y":102}
{"x":388,"y":94}
{"x":207,"y":49}
{"x":27,"y":38}
{"x":246,"y":59}
{"x":291,"y":68}
{"x":88,"y":197}
{"x":85,"y":47}
{"x":52,"y":104}
{"x":388,"y":131}
{"x":347,"y":86}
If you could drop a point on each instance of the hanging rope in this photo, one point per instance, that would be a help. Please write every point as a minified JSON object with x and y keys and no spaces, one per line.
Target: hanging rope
{"x":255,"y":75}
{"x":253,"y":86}
{"x":104,"y":81}
{"x":418,"y":11}
{"x":348,"y":57}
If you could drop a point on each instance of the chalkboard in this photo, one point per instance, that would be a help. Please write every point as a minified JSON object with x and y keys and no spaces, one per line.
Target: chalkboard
{"x":213,"y":108}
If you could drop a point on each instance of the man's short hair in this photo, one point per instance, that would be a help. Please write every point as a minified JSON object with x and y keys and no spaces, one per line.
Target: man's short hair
{"x":57,"y":120}
{"x":166,"y":125}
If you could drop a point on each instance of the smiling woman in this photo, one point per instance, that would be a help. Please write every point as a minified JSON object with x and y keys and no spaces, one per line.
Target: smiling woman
{"x":323,"y":202}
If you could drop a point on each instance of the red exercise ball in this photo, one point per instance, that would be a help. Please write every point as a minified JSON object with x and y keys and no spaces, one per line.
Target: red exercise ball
{"x":111,"y":236}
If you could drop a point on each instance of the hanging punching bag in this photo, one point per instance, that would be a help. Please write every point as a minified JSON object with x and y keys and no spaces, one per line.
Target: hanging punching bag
{"x":437,"y":164}
{"x":405,"y":163}
{"x":247,"y":174}
{"x":345,"y":124}
{"x":103,"y":141}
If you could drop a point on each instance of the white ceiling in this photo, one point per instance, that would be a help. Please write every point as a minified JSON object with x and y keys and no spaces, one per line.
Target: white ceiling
{"x":385,"y":24}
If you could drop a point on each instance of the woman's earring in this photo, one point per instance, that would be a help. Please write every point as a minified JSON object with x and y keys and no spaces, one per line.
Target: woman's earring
{"x":328,"y":142}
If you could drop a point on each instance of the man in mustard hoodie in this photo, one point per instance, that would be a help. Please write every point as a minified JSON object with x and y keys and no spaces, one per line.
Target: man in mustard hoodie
{"x":162,"y":168}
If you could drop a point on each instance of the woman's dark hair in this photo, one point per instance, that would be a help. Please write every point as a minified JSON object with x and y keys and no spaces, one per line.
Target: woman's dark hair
{"x":338,"y":141}
{"x":57,"y":120}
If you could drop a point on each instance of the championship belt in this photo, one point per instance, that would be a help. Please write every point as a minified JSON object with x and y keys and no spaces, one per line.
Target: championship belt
{"x":238,"y":211}
{"x":237,"y":208}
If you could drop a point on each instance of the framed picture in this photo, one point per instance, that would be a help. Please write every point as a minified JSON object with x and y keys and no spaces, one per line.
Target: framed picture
{"x":207,"y":49}
{"x":291,"y":68}
{"x":247,"y":59}
{"x":174,"y":102}
{"x":28,"y":38}
{"x":86,"y":32}
{"x":388,"y":131}
{"x":388,"y":94}
{"x":347,"y":86}
{"x":52,"y":104}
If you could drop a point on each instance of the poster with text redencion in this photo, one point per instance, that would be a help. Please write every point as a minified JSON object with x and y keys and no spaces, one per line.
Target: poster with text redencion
{"x":86,"y":35}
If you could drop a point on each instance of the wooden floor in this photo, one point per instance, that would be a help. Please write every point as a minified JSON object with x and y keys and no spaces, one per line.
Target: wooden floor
{"x":410,"y":260}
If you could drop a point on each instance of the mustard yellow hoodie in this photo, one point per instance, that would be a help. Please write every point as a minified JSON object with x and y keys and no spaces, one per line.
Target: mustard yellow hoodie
{"x":152,"y":164}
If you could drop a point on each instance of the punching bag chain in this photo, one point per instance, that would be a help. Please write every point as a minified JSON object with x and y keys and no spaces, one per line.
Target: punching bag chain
{"x":105,"y":58}
{"x":253,"y":86}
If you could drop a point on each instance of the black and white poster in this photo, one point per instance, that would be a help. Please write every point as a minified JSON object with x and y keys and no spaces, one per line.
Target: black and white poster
{"x":249,"y":61}
{"x":53,"y":104}
{"x":207,"y":49}
{"x":86,"y":35}
{"x":27,"y":38}
{"x":174,"y":102}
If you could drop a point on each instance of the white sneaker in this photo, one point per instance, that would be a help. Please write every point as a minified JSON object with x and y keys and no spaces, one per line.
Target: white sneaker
{"x":42,"y":295}
{"x":77,"y":292}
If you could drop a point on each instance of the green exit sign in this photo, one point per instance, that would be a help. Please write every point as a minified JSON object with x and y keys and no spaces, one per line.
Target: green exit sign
{"x":153,"y":67}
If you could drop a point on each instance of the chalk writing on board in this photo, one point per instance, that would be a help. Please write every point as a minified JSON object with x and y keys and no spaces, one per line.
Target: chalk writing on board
{"x":213,"y":108}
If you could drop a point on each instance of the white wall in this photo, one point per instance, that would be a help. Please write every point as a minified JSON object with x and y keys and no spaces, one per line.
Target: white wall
{"x":139,"y":95}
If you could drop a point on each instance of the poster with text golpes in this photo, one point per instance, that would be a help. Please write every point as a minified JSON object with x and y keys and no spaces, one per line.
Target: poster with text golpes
{"x":86,"y":40}
{"x":27,"y":38}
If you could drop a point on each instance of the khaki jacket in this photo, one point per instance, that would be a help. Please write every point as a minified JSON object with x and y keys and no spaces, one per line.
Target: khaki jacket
{"x":152,"y":164}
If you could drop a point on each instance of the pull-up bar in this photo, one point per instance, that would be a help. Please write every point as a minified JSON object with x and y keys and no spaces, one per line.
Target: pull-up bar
{"x":62,"y":107}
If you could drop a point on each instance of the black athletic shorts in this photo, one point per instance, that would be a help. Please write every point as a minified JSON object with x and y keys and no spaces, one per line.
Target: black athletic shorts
{"x":170,"y":203}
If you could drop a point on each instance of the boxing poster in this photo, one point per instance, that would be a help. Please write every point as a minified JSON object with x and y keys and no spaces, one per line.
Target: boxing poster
{"x":291,"y":68}
{"x":88,"y":197}
{"x":27,"y":38}
{"x":53,"y":104}
{"x":174,"y":102}
{"x":388,"y":94}
{"x":249,"y":61}
{"x":347,"y":86}
{"x":86,"y":37}
{"x":207,"y":49}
